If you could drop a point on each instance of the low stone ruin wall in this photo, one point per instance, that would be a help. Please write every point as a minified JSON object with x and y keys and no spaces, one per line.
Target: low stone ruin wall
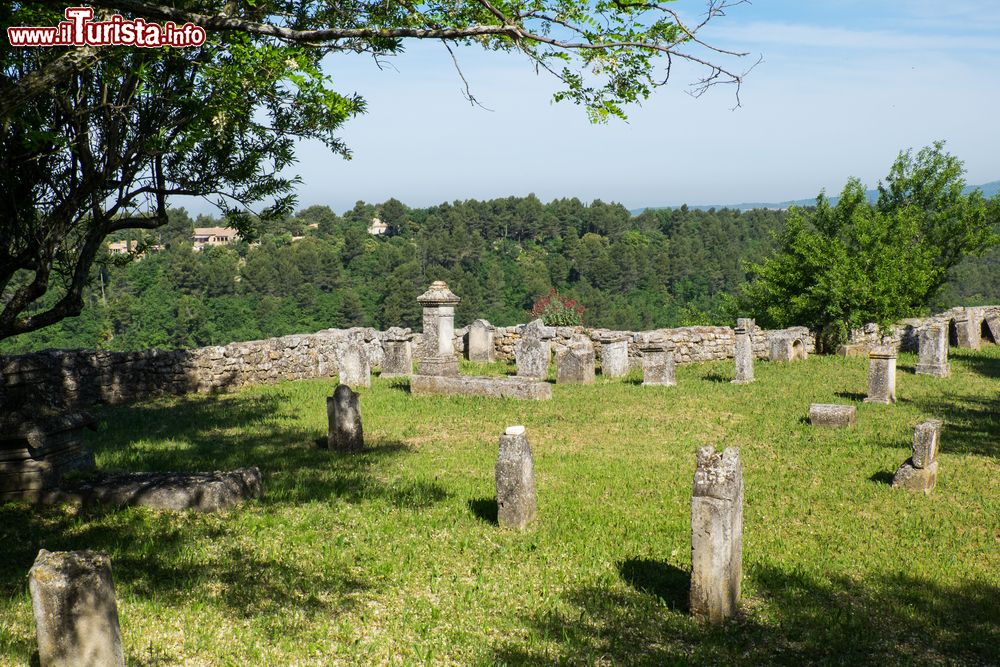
{"x":905,"y":334}
{"x":85,"y":377}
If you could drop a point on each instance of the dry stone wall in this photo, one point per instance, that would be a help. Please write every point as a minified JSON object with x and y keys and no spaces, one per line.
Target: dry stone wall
{"x":85,"y":377}
{"x":905,"y":334}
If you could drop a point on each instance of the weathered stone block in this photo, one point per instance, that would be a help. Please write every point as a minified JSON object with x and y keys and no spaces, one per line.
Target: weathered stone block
{"x":784,"y":347}
{"x":912,"y":478}
{"x":614,"y":358}
{"x":932,"y":352}
{"x":353,"y":365}
{"x":882,"y":376}
{"x":657,"y":363}
{"x":575,"y":363}
{"x":343,"y":409}
{"x":76,"y":614}
{"x":968,"y":330}
{"x":480,"y":347}
{"x":493,"y":387}
{"x":835,"y":416}
{"x":853,"y":350}
{"x":515,"y":479}
{"x":398,"y":359}
{"x":533,"y":351}
{"x":743,"y":354}
{"x":926,"y":442}
{"x":992,"y":329}
{"x":716,"y":535}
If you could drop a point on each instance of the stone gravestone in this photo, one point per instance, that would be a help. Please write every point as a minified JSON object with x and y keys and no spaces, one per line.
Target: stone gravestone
{"x":882,"y":376}
{"x":353,"y":364}
{"x":76,"y":615}
{"x":968,"y":330}
{"x":834,"y":416}
{"x":614,"y":356}
{"x":743,"y":351}
{"x":716,"y":535}
{"x":480,"y":346}
{"x":438,"y":342}
{"x":343,"y":413}
{"x":398,"y":358}
{"x":575,"y":362}
{"x":919,"y":472}
{"x":657,"y":363}
{"x":993,"y":328}
{"x":515,"y":478}
{"x":932,"y":352}
{"x":533,"y":351}
{"x":787,"y":348}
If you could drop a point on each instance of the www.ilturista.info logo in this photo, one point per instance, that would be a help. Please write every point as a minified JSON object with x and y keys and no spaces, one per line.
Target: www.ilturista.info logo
{"x":78,"y":30}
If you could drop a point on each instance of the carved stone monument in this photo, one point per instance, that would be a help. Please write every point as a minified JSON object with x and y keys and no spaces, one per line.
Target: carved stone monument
{"x":575,"y":362}
{"x":657,"y":363}
{"x":343,"y":413}
{"x":438,"y":342}
{"x":76,"y":614}
{"x":614,"y":356}
{"x":919,"y":472}
{"x":533,"y":351}
{"x":882,"y":376}
{"x":743,"y":351}
{"x":398,"y":358}
{"x":716,"y":535}
{"x":968,"y":329}
{"x":933,"y":352}
{"x":515,"y":478}
{"x":353,"y":365}
{"x":480,"y":345}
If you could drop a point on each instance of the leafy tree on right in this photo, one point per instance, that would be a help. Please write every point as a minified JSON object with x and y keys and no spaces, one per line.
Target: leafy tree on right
{"x":838,"y":267}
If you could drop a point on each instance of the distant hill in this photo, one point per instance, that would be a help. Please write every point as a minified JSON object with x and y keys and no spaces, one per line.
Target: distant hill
{"x":988,"y":190}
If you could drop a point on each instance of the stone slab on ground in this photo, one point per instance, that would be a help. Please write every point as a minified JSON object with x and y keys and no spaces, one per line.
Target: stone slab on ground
{"x":493,"y":387}
{"x":200,"y":491}
{"x":832,"y":415}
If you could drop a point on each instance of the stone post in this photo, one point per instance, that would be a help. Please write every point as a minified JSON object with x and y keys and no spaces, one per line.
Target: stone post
{"x":575,"y":362}
{"x":968,"y":330}
{"x":933,"y":352}
{"x":657,"y":363}
{"x":398,"y":359}
{"x":881,"y":376}
{"x":438,"y":344}
{"x":343,"y":413}
{"x":716,"y":535}
{"x":515,"y":477}
{"x":76,"y":615}
{"x":614,"y":356}
{"x":743,"y":351}
{"x":919,"y":472}
{"x":480,"y":347}
{"x":533,"y":351}
{"x":353,"y":365}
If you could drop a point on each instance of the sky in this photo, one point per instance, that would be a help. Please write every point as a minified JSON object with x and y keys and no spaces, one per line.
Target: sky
{"x":842,"y":87}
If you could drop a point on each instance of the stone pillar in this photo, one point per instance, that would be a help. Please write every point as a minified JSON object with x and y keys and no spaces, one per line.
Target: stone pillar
{"x":919,"y":472}
{"x":438,"y":344}
{"x":353,"y":365}
{"x":575,"y":362}
{"x":343,"y":413}
{"x":614,"y":356}
{"x":716,"y":535}
{"x":968,"y":329}
{"x":398,"y":358}
{"x":657,"y":363}
{"x":480,"y":346}
{"x":76,"y":615}
{"x":933,"y":352}
{"x":533,"y":351}
{"x":515,"y":477}
{"x":881,"y":376}
{"x":743,"y":351}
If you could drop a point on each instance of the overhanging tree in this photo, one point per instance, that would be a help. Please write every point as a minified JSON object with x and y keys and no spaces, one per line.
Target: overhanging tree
{"x":839,"y":267}
{"x":97,"y":140}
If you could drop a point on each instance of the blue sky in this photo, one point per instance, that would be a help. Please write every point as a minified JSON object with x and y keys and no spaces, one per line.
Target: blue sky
{"x":843,"y":86}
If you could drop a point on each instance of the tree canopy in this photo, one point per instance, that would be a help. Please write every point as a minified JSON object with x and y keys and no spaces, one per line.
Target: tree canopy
{"x":839,"y":267}
{"x":100,"y":139}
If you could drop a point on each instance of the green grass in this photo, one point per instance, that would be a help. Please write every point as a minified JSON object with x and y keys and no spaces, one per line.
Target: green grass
{"x":393,"y":556}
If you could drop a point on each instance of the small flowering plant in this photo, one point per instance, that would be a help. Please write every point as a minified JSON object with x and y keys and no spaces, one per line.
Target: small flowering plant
{"x":557,"y":310}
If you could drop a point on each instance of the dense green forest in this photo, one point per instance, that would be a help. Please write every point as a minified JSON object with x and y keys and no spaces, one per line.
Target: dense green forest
{"x":318,"y":269}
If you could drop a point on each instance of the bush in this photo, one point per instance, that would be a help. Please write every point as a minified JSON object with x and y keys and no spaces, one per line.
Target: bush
{"x":557,"y":310}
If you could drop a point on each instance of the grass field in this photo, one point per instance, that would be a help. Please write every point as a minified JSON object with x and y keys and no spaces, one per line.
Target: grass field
{"x":394,"y":556}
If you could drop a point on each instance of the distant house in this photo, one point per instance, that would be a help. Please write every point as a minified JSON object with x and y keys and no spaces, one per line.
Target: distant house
{"x":212,"y":236}
{"x":377,"y":227}
{"x":128,"y":247}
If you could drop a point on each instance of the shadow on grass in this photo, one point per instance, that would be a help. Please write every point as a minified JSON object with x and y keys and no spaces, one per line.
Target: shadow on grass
{"x":971,"y":424}
{"x":485,"y":509}
{"x":882,"y":477}
{"x":667,"y":582}
{"x":851,"y":395}
{"x":795,"y":619}
{"x":986,"y":366}
{"x":716,"y":377}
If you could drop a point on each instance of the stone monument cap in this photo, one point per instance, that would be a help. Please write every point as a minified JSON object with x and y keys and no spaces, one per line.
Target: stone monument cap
{"x":438,"y":294}
{"x":514,"y":430}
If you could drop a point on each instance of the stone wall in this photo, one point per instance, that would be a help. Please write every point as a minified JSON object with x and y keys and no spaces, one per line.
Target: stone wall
{"x":84,"y":377}
{"x":905,"y":334}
